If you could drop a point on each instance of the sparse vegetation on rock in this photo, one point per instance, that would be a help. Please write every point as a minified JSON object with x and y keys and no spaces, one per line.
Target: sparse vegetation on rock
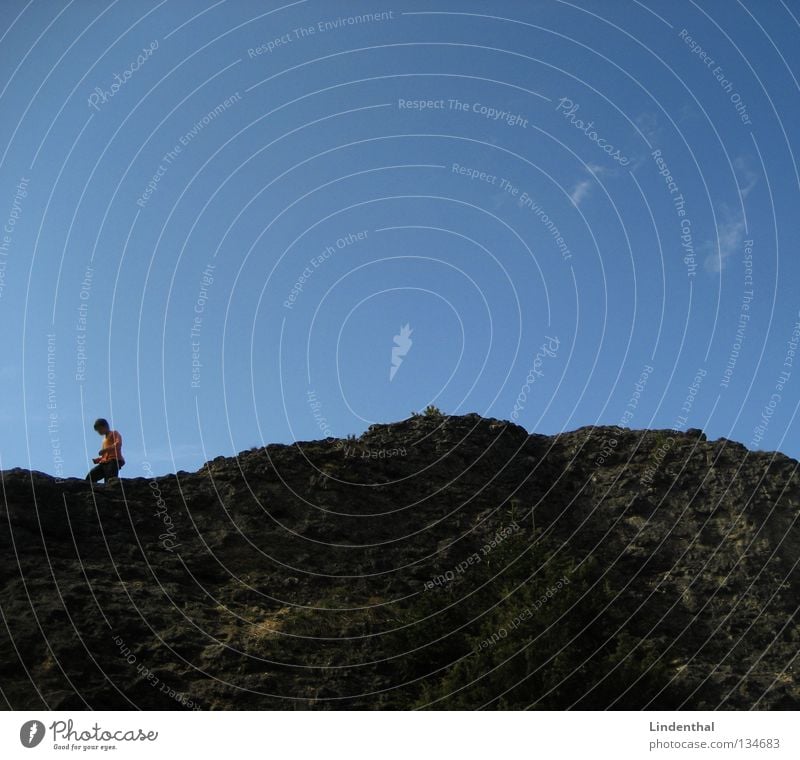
{"x":303,"y":576}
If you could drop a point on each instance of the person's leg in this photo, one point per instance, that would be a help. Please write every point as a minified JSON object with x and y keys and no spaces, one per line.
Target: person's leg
{"x":111,"y":470}
{"x":96,"y":474}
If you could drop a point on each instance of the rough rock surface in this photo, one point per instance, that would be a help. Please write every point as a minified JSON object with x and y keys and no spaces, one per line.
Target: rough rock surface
{"x":270,"y":580}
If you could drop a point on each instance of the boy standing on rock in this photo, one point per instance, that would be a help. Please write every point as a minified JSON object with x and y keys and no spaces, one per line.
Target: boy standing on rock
{"x":110,"y":461}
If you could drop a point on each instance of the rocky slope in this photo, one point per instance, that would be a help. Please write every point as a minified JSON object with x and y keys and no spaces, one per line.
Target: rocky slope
{"x":418,"y":565}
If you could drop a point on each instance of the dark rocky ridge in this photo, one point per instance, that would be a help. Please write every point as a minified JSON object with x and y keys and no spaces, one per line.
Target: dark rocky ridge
{"x":282,"y":578}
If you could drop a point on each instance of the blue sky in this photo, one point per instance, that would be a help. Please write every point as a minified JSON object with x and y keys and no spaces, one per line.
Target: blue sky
{"x":219,"y":216}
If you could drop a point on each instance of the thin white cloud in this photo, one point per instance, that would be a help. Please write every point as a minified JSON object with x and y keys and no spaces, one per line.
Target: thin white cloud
{"x":730,"y":233}
{"x":731,"y":226}
{"x":584,"y":186}
{"x":649,"y":124}
{"x":580,"y":191}
{"x":747,"y":179}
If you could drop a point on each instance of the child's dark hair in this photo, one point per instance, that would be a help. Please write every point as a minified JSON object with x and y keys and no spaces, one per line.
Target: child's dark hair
{"x":100,"y":423}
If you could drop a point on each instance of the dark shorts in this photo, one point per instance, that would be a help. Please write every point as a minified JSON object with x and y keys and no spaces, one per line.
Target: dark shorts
{"x":104,"y":471}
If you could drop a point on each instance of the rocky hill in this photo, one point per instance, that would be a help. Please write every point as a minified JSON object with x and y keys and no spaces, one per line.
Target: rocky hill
{"x":438,"y":562}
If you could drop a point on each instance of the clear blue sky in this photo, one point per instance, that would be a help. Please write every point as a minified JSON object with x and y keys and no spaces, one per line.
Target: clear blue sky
{"x":256,"y":188}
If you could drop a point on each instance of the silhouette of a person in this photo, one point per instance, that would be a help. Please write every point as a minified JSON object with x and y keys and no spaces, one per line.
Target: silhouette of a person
{"x":110,"y":459}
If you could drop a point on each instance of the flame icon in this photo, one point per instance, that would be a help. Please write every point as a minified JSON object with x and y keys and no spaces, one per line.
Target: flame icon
{"x":402,"y":344}
{"x":31,"y":733}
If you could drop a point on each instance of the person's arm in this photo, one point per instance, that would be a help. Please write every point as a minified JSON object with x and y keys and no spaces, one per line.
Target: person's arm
{"x":116,"y":444}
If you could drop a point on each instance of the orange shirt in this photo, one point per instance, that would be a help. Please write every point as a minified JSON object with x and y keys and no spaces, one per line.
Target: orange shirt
{"x":113,"y":441}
